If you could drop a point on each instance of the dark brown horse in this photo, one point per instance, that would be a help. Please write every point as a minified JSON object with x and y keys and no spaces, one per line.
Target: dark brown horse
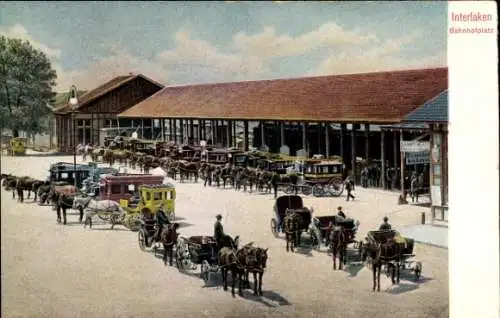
{"x":9,"y":182}
{"x":380,"y":253}
{"x":253,"y":260}
{"x":228,"y":262}
{"x":338,"y":240}
{"x":24,"y":184}
{"x":292,"y":231}
{"x":169,"y":239}
{"x":188,"y":169}
{"x":62,"y":197}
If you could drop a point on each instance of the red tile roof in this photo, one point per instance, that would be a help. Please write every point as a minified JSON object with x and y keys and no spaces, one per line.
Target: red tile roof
{"x":99,"y":91}
{"x":383,"y":97}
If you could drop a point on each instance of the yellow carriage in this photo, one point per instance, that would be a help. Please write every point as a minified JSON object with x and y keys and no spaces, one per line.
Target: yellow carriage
{"x":152,"y":197}
{"x":17,"y":146}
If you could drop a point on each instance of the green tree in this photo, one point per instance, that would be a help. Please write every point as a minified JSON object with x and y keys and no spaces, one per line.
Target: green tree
{"x":26,"y":83}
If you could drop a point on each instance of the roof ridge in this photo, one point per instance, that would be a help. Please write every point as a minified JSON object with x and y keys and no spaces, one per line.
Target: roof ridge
{"x":419,"y":70}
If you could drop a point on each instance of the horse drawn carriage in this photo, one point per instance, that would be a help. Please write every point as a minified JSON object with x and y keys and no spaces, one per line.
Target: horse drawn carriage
{"x":393,"y":250}
{"x":321,"y":226}
{"x":152,"y":197}
{"x":288,"y":204}
{"x":324,"y":177}
{"x":67,"y":172}
{"x":197,"y":250}
{"x":17,"y":146}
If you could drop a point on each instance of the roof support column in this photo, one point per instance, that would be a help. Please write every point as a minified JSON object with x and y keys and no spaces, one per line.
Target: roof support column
{"x":343,"y":129}
{"x":402,"y":166}
{"x":367,"y":144}
{"x":203,"y":130}
{"x":395,"y":149}
{"x":199,"y":131}
{"x":319,"y":126}
{"x":382,"y":159}
{"x":262,"y":137}
{"x":152,"y":122}
{"x":191,"y":130}
{"x":353,"y":152}
{"x":216,"y":132}
{"x":212,"y":132}
{"x":304,"y":138}
{"x":170,"y":129}
{"x":181,"y":128}
{"x":228,"y":133}
{"x":142,"y":128}
{"x":282,"y":134}
{"x":234,"y":135}
{"x":245,"y":135}
{"x":327,"y":140}
{"x":162,"y":123}
{"x":173,"y":130}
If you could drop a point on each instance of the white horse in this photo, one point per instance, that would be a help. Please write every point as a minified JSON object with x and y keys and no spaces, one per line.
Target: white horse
{"x":91,"y":207}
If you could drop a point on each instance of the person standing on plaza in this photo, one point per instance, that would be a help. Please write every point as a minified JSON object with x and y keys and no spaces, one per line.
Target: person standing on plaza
{"x":364,"y":177}
{"x":414,"y":186}
{"x":349,"y":186}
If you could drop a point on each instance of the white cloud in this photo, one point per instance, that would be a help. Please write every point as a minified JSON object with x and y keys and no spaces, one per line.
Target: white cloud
{"x":381,"y":58}
{"x":119,"y":62}
{"x":268,"y":44}
{"x":18,"y":31}
{"x":199,"y":53}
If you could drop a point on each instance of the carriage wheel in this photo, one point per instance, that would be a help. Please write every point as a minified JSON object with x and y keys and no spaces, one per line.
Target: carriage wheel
{"x":418,"y":270}
{"x":178,"y":260}
{"x":205,"y":268}
{"x":315,"y":242}
{"x":318,"y":190}
{"x":306,"y":189}
{"x":360,"y":250}
{"x":274,"y":227}
{"x":289,"y":189}
{"x":142,"y":237}
{"x":133,"y":223}
{"x":336,"y":186}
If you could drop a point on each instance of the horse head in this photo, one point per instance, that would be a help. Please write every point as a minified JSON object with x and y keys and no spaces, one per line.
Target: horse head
{"x":235,"y":242}
{"x":261,"y":254}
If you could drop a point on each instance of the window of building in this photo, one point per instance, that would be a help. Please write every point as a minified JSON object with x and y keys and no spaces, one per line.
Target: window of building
{"x":87,"y":122}
{"x":116,"y":189}
{"x":147,"y":195}
{"x":79,"y":122}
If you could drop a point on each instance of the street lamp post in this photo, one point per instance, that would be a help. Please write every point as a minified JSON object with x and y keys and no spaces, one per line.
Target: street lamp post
{"x":73,"y":101}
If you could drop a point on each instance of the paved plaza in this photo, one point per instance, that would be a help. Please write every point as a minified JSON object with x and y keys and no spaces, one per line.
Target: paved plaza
{"x":51,"y":270}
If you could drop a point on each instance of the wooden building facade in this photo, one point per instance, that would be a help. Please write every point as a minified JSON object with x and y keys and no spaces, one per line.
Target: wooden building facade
{"x":99,"y":108}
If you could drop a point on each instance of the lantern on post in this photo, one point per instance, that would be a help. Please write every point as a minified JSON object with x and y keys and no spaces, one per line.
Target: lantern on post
{"x":73,"y":102}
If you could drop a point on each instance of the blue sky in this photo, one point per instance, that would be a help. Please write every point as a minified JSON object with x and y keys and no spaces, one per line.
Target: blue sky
{"x":197,"y":42}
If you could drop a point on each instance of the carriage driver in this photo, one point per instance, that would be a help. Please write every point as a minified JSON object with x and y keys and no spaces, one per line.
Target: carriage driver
{"x":385,"y":226}
{"x":341,"y":213}
{"x":161,"y":220}
{"x":218,"y":230}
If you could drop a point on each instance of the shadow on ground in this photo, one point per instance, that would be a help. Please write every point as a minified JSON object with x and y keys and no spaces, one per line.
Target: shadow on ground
{"x":269,"y":298}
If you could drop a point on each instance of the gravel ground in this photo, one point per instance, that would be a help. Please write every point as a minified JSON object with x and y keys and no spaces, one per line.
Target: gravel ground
{"x":50,"y":270}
